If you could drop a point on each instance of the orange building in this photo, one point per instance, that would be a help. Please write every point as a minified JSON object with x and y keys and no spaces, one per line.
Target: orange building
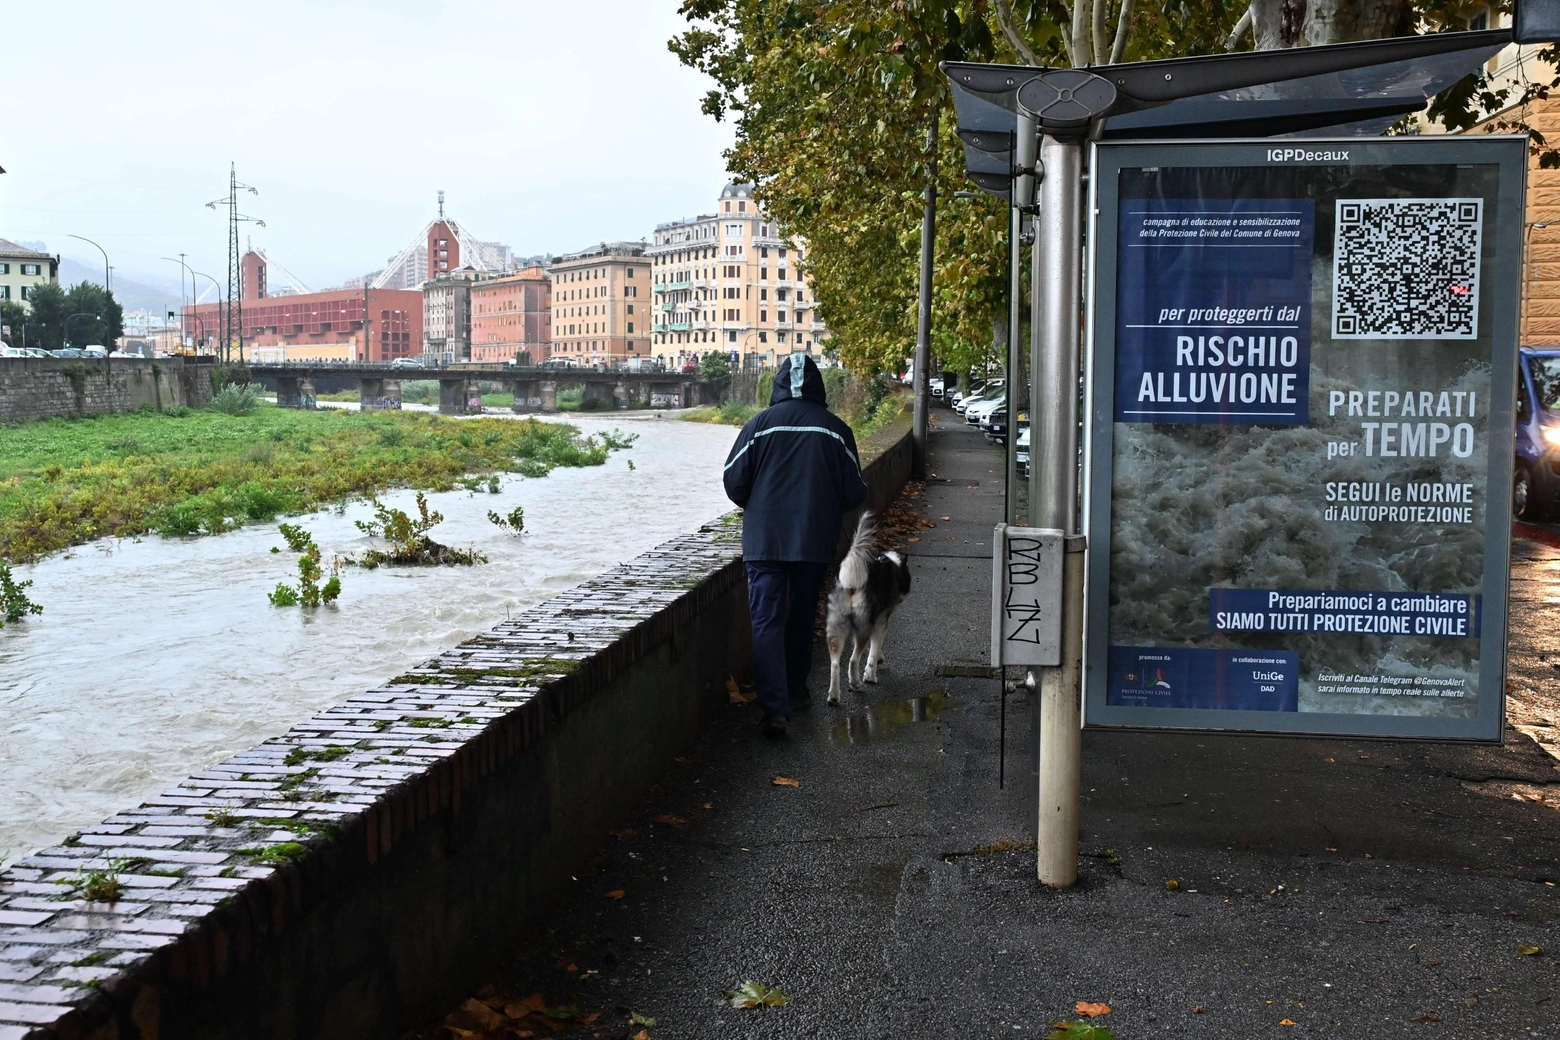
{"x":510,"y":315}
{"x":601,"y":304}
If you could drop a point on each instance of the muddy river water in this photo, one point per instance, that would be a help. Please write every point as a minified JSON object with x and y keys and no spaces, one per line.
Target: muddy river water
{"x":156,"y":658}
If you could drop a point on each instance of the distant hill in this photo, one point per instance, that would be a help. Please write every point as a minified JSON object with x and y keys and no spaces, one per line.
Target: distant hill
{"x":135,"y":291}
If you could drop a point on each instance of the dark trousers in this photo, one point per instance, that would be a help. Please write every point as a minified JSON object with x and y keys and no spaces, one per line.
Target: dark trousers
{"x":783,"y":601}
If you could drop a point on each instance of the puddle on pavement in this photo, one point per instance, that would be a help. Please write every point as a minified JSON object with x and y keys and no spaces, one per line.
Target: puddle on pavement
{"x":886,"y":720}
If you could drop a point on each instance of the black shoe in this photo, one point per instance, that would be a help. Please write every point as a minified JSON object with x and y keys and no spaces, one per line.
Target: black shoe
{"x":774,"y":725}
{"x":801,"y":703}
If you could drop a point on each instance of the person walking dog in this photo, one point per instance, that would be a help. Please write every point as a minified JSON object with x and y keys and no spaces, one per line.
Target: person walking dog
{"x":795,"y":473}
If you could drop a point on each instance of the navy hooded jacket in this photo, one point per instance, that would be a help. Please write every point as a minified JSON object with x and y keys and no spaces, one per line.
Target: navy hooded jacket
{"x":794,"y":470}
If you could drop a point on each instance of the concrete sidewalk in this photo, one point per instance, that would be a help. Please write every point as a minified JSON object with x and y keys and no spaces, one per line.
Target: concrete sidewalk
{"x":1326,"y":887}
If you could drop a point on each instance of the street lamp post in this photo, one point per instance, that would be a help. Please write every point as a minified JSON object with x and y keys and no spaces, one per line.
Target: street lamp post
{"x":107,"y":285}
{"x":215,"y":285}
{"x":73,"y":317}
{"x":180,"y":261}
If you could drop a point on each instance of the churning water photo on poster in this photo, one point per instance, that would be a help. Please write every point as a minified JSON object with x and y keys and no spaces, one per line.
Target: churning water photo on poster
{"x":1299,"y":465}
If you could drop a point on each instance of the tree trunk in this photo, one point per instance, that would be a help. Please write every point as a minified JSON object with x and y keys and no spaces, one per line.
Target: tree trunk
{"x":1277,"y":24}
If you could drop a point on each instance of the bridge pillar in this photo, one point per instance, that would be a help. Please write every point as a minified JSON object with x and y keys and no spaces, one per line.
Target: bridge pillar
{"x":548,"y":391}
{"x":287,"y":392}
{"x":665,"y":395}
{"x":528,"y":395}
{"x":638,"y":393}
{"x":378,"y":395}
{"x":306,"y":396}
{"x":459,"y":396}
{"x":619,"y":395}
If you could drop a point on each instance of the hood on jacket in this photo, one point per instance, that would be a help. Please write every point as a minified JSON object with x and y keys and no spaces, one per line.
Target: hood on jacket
{"x":791,"y":383}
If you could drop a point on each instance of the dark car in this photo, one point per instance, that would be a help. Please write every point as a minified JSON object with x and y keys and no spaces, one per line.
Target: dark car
{"x":1535,"y":483}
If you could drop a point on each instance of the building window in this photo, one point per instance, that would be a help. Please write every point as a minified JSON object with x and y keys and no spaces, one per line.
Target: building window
{"x":631,"y":308}
{"x":5,"y":292}
{"x":763,"y":315}
{"x":5,"y":268}
{"x":742,"y":207}
{"x":782,"y":274}
{"x":630,"y":328}
{"x":26,"y":292}
{"x":763,"y":274}
{"x":780,"y":315}
{"x":763,"y":337}
{"x":764,"y":252}
{"x":780,"y":336}
{"x":763,"y":294}
{"x":32,"y":269}
{"x":731,"y":337}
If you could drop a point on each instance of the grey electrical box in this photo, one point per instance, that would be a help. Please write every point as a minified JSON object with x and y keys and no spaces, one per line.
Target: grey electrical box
{"x":1026,"y":596}
{"x":1535,"y":21}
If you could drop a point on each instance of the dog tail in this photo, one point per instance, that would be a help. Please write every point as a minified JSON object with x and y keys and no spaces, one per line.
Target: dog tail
{"x":853,"y":571}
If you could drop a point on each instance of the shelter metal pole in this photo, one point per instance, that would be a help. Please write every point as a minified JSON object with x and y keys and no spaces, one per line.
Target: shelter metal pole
{"x":1022,"y":198}
{"x":1053,"y":493}
{"x":923,"y":335}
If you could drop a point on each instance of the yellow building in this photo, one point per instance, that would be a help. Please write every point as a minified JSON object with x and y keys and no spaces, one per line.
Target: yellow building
{"x":729,"y":281}
{"x":22,"y":268}
{"x":601,"y":305}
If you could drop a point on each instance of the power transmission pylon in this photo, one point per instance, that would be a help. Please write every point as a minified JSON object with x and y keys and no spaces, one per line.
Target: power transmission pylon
{"x":233,"y":312}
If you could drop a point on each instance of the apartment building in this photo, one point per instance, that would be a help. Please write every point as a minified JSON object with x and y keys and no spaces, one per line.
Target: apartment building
{"x":601,"y":304}
{"x":22,"y":268}
{"x":511,"y":315}
{"x":729,"y":281}
{"x":447,"y":314}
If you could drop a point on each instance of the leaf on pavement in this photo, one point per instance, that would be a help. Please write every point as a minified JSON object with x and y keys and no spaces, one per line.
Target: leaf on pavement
{"x":1079,"y":1029}
{"x":1286,"y":1021}
{"x":734,"y":692}
{"x":482,"y":1015}
{"x":1173,"y":885}
{"x":1197,"y":1010}
{"x":785,"y":781}
{"x":521,"y":1008}
{"x":636,"y":1019}
{"x":643,"y":1034}
{"x":1089,"y":1009}
{"x":671,"y":821}
{"x":1529,"y":950}
{"x":616,"y":893}
{"x":756,"y":994}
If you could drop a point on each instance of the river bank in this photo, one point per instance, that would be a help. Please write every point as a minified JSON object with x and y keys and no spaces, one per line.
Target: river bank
{"x":65,"y":482}
{"x":156,"y":657}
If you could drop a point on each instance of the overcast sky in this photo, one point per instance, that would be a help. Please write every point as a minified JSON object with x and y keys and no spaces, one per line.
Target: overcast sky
{"x":550,"y":126}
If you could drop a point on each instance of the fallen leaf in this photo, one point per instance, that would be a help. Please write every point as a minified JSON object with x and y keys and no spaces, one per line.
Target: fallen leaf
{"x":735,"y":695}
{"x":785,"y":781}
{"x":616,"y":893}
{"x":1286,"y":1021}
{"x":1173,"y":885}
{"x":484,"y":1016}
{"x":671,"y":821}
{"x":1089,"y":1009}
{"x":1529,"y":951}
{"x":947,"y":518}
{"x":1197,"y":1010}
{"x":709,"y":805}
{"x":1079,"y":1029}
{"x":567,"y":1013}
{"x":1427,"y":1017}
{"x":756,"y":994}
{"x":1330,"y":761}
{"x":912,"y":539}
{"x":636,"y":1019}
{"x":457,"y":1032}
{"x":643,"y":1034}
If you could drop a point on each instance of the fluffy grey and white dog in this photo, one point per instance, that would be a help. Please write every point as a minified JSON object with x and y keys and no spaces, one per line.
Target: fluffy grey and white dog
{"x":871,"y":584}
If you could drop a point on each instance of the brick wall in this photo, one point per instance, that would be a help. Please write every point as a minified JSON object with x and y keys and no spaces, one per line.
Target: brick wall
{"x":356,"y":876}
{"x":39,"y":388}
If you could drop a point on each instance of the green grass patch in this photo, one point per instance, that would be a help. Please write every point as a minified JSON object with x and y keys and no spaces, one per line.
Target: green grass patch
{"x":732,"y":413}
{"x":67,"y":481}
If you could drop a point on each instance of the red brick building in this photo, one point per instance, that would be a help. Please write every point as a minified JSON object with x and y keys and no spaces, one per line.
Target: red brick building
{"x":321,"y":326}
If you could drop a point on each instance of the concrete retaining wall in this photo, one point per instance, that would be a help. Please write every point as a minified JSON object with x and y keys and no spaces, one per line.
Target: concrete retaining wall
{"x":356,"y":876}
{"x":43,"y":388}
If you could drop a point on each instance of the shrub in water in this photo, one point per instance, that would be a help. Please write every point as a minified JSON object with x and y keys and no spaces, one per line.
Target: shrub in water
{"x":236,"y":399}
{"x":515,"y":521}
{"x":408,"y":538}
{"x":14,"y":604}
{"x":309,"y":592}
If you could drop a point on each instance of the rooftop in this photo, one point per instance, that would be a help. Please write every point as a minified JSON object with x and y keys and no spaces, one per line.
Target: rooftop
{"x":11,"y":249}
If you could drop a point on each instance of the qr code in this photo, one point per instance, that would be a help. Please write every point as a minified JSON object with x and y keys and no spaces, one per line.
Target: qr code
{"x":1407,"y":268}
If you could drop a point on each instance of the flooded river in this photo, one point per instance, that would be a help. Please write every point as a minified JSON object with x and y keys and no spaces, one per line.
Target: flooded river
{"x":155,"y":658}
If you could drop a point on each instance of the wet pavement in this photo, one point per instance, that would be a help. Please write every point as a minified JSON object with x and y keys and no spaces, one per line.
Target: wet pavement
{"x":1322,"y":886}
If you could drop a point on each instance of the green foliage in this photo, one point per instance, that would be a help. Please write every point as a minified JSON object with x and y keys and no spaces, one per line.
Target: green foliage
{"x":408,"y":538}
{"x":571,"y":399}
{"x":309,"y":592}
{"x":62,"y":484}
{"x":732,"y":413}
{"x":766,"y":386}
{"x":236,"y":399}
{"x":14,"y":604}
{"x":12,"y":313}
{"x":514,"y":522}
{"x":715,"y":364}
{"x":101,"y":318}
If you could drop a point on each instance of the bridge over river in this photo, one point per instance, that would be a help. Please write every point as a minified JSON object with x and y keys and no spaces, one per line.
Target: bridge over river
{"x":535,"y":388}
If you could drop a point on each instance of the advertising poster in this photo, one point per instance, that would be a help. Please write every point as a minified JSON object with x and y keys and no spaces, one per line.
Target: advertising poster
{"x":1301,"y":434}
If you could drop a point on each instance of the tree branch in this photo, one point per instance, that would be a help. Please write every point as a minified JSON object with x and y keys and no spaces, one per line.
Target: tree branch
{"x":1123,"y":29}
{"x":1239,"y":31}
{"x":1079,"y":51}
{"x":1097,"y":17}
{"x":1010,"y":30}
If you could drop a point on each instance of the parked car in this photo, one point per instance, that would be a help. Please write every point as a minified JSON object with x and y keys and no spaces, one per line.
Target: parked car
{"x":936,"y":386}
{"x":94,"y":350}
{"x":976,"y":414}
{"x":35,"y":352}
{"x":987,"y":392}
{"x":1535,"y":482}
{"x":995,"y":425}
{"x":68,"y":352}
{"x":6,"y":350}
{"x":406,"y":362}
{"x":1021,"y":451}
